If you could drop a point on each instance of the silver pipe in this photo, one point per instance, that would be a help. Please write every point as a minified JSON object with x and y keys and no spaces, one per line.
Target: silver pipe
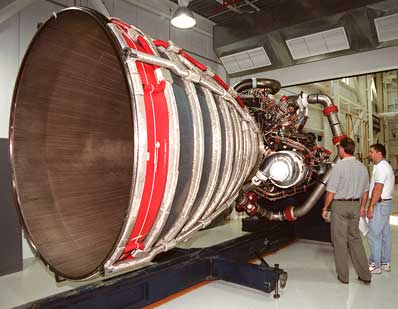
{"x":333,"y":118}
{"x":270,"y":215}
{"x":141,"y":56}
{"x":335,"y":126}
{"x":314,"y":196}
{"x":272,"y":86}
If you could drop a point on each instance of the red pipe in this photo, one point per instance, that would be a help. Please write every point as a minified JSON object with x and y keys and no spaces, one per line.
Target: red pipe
{"x":220,"y":81}
{"x":161,"y":43}
{"x":144,"y":44}
{"x":337,"y":139}
{"x":196,"y":63}
{"x":240,"y":101}
{"x":330,"y":109}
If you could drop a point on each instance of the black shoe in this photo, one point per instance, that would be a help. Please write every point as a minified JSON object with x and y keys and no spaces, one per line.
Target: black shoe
{"x":344,"y":282}
{"x":365,"y":281}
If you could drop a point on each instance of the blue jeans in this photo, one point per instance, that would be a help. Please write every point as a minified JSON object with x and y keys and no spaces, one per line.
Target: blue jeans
{"x":379,"y":237}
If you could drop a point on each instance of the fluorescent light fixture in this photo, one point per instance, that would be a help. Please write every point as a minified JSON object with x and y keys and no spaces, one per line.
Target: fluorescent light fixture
{"x":183,"y":17}
{"x":246,"y":60}
{"x":387,"y":27}
{"x":318,"y":43}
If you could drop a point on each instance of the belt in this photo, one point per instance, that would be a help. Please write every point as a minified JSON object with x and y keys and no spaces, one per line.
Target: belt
{"x":347,"y":200}
{"x":384,"y":199}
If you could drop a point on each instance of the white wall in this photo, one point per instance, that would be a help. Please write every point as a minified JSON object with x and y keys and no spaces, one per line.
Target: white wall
{"x":15,"y":35}
{"x":9,"y":62}
{"x":151,"y":16}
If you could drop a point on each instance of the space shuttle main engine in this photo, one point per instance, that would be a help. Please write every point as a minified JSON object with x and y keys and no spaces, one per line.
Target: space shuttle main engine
{"x":121,"y":146}
{"x":292,"y":161}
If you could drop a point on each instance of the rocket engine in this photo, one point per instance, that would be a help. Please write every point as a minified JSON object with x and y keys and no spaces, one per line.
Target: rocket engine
{"x":122,"y":146}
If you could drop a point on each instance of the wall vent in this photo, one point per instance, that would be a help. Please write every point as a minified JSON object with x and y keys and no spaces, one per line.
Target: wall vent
{"x":387,"y":27}
{"x":246,"y":60}
{"x":318,"y":43}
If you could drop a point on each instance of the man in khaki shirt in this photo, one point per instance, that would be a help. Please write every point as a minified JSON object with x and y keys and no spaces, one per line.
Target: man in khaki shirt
{"x":347,"y":185}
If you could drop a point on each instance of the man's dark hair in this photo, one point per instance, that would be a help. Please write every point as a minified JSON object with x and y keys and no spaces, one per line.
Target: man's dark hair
{"x":348,"y":145}
{"x":379,"y":148}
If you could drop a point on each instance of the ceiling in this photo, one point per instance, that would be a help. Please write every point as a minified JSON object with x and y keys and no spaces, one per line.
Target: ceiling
{"x":241,"y":25}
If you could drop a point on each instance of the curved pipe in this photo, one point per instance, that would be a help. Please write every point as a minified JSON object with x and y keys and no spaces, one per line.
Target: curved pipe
{"x":274,"y":196}
{"x":333,"y":118}
{"x":272,"y":86}
{"x":292,"y":213}
{"x":320,"y":188}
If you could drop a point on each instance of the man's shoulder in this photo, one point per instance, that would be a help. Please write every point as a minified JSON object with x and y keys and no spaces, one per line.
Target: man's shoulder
{"x":350,"y":162}
{"x":382,"y":166}
{"x":364,"y":168}
{"x":386,"y":166}
{"x":338,"y":164}
{"x":355,"y":166}
{"x":361,"y":166}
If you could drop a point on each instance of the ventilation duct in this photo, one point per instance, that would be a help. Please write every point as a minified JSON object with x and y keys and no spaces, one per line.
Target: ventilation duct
{"x":246,"y":60}
{"x":318,"y":43}
{"x":387,"y":27}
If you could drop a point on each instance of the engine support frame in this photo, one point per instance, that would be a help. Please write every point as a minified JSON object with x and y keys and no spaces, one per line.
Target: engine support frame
{"x":227,"y":261}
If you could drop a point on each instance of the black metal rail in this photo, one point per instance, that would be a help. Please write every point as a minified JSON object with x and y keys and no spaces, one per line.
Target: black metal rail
{"x":182,"y":268}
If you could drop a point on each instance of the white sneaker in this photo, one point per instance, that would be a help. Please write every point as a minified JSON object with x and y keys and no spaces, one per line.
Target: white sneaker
{"x":385,"y":267}
{"x":374,"y":269}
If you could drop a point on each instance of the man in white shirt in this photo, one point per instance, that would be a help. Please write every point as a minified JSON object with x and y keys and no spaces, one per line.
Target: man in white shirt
{"x":379,"y":210}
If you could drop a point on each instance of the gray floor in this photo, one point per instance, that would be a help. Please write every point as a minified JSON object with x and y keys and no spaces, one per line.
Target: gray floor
{"x":311,"y":284}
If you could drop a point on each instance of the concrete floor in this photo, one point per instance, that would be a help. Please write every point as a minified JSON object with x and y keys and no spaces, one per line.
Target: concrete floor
{"x":311,"y":283}
{"x":312,"y":280}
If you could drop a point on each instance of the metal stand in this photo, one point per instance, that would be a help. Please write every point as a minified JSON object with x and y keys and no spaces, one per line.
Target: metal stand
{"x":179,"y":269}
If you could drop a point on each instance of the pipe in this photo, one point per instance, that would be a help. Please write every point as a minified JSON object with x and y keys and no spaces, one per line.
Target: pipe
{"x":144,"y":57}
{"x":330,"y":111}
{"x":291,"y":213}
{"x":270,"y":85}
{"x":274,"y":196}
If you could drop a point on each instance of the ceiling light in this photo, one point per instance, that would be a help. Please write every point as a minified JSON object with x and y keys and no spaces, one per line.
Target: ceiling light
{"x":183,"y":17}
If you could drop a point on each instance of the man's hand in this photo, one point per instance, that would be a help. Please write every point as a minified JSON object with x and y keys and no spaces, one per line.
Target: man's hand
{"x":376,"y":194}
{"x":363,"y":212}
{"x":364,"y":200}
{"x":328,"y":200}
{"x":325,"y":214}
{"x":370,"y":212}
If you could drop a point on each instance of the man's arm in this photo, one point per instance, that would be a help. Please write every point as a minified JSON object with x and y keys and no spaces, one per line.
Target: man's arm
{"x":328,"y":200}
{"x":364,"y":200}
{"x":376,"y":194}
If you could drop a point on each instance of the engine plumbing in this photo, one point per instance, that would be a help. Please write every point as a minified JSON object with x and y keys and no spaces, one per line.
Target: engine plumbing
{"x":292,"y":162}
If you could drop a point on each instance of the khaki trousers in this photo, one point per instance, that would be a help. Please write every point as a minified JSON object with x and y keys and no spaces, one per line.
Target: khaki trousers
{"x":347,"y":240}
